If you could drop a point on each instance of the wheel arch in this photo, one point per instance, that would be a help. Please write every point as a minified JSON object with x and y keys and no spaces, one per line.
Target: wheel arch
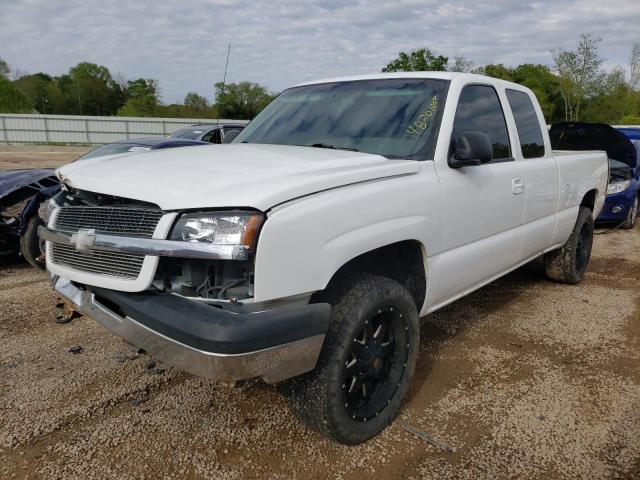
{"x":404,"y":261}
{"x":589,"y":199}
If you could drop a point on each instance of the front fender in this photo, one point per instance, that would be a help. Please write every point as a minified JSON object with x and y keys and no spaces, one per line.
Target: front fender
{"x":305,"y":242}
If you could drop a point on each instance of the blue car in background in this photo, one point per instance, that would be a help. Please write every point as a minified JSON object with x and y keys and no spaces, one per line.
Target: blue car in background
{"x":623,"y":191}
{"x":22,"y":192}
{"x":632,"y":133}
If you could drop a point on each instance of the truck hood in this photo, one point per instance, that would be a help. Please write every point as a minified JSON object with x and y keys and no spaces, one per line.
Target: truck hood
{"x":232,"y":175}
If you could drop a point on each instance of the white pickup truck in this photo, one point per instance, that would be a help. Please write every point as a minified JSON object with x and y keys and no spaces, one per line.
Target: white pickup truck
{"x":308,"y":249}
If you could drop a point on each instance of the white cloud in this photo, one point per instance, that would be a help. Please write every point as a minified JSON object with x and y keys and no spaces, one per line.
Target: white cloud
{"x":279,"y":43}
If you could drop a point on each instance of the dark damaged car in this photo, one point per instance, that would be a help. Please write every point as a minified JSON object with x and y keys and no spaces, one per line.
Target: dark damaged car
{"x":21,"y":192}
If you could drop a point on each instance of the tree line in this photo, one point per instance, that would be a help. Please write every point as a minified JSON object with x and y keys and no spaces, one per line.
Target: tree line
{"x":574,"y":87}
{"x":91,"y":89}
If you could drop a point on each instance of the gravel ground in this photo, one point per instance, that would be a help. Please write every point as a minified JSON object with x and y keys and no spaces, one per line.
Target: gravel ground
{"x":524,"y":378}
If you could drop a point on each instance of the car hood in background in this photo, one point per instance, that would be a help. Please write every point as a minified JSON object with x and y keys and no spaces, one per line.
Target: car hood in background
{"x":12,"y":180}
{"x":232,"y":175}
{"x":593,"y":136}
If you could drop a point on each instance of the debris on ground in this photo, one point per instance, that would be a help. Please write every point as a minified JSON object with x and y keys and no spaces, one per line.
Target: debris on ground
{"x":429,"y":438}
{"x":126,"y":357}
{"x":153,"y":370}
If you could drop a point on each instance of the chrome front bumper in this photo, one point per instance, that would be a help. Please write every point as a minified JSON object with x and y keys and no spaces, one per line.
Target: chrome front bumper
{"x":272,"y":364}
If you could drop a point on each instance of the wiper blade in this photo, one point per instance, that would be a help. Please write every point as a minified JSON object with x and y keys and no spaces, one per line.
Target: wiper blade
{"x":333,"y":147}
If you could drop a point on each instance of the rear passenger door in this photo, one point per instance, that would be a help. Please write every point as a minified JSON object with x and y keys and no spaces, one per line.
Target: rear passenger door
{"x":483,"y":205}
{"x":540,"y":172}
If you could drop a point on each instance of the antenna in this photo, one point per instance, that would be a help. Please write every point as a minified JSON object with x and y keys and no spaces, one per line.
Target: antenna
{"x":224,"y":81}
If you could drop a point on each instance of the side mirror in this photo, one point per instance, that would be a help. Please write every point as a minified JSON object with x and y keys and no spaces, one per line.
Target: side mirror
{"x":470,"y":149}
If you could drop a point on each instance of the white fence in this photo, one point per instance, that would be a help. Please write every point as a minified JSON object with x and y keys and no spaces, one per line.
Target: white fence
{"x":72,"y":129}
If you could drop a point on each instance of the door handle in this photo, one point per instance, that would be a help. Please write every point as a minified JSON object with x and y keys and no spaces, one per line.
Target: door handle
{"x":517,"y":185}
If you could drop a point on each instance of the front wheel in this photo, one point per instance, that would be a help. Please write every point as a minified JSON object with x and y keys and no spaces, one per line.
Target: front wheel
{"x":366,"y":363}
{"x":630,"y":221}
{"x":568,"y":264}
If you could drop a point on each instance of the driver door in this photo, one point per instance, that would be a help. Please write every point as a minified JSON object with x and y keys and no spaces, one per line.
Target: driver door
{"x":483,"y":205}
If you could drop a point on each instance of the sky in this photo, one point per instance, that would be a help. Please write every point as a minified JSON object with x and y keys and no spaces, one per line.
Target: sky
{"x":279,"y":43}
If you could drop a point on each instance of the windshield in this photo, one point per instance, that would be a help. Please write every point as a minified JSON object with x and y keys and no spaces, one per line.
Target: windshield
{"x":188,"y":133}
{"x":113,"y":149}
{"x":396,"y":118}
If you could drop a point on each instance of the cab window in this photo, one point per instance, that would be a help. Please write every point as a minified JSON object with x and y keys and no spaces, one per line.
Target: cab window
{"x":527,"y":124}
{"x":479,"y":110}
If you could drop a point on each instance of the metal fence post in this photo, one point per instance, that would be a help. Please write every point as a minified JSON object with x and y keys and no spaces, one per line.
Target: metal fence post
{"x":126,"y":127}
{"x":164,"y":128}
{"x":4,"y":130}
{"x":46,"y":129}
{"x":86,"y":128}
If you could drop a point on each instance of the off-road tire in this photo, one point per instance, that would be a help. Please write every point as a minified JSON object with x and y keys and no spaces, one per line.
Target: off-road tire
{"x":630,"y":221}
{"x":318,"y":397}
{"x":30,"y":245}
{"x":568,"y":264}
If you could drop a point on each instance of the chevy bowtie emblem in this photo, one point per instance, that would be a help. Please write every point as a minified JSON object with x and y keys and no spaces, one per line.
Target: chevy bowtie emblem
{"x":83,"y":240}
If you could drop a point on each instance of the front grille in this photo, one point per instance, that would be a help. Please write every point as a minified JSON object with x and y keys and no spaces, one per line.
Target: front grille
{"x":134,"y":222}
{"x":122,"y":265}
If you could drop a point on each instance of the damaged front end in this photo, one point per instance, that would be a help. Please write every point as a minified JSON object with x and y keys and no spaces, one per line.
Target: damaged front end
{"x":20,"y":196}
{"x":180,"y":285}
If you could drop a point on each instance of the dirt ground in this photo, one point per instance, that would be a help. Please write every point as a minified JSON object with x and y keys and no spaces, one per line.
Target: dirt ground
{"x":524,"y":379}
{"x":25,"y":156}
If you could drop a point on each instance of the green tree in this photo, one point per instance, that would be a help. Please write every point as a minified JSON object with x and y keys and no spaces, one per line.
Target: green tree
{"x":143,"y":87}
{"x":631,"y":119}
{"x":43,"y":92}
{"x":12,"y":100}
{"x":143,"y":99}
{"x":461,"y":64}
{"x":545,"y":85}
{"x":196,"y":103}
{"x":580,"y":74}
{"x":94,"y":90}
{"x":4,"y":68}
{"x":496,"y":71}
{"x":421,"y":60}
{"x":634,"y":66}
{"x":144,"y":106}
{"x":242,"y":101}
{"x":612,"y":101}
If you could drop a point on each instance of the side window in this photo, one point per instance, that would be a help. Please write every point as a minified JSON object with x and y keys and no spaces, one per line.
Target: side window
{"x":527,"y":123}
{"x":212,"y":136}
{"x":479,"y":110}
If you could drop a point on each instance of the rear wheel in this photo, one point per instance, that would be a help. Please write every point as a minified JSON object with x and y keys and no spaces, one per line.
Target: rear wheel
{"x":31,"y":247}
{"x":630,"y":222}
{"x":366,"y":364}
{"x":568,"y":264}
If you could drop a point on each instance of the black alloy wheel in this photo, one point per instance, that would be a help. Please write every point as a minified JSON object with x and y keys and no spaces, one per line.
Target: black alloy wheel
{"x":376,"y":364}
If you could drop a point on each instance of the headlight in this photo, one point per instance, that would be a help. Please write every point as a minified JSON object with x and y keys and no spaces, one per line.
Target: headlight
{"x":231,"y":234}
{"x":617,"y":187}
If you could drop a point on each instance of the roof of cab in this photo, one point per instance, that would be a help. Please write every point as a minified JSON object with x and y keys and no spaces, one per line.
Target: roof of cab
{"x":471,"y":77}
